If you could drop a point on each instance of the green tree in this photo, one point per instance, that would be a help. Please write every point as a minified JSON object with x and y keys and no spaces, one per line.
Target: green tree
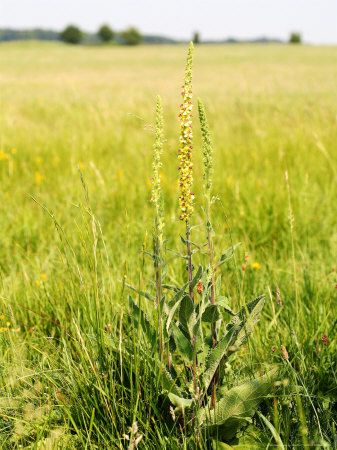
{"x":295,"y":38}
{"x":196,"y":38}
{"x":71,"y":34}
{"x":105,"y":33}
{"x":131,"y":36}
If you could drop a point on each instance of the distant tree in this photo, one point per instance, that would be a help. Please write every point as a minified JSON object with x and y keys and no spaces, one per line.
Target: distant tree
{"x":196,"y":38}
{"x":105,"y":33}
{"x":71,"y":34}
{"x":295,"y":38}
{"x":131,"y":36}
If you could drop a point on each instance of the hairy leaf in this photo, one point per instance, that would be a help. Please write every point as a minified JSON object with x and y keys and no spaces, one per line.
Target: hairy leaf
{"x":216,"y":354}
{"x":248,"y":316}
{"x":228,"y":254}
{"x":186,"y":314}
{"x":239,"y":403}
{"x":183,"y":343}
{"x":211,"y":314}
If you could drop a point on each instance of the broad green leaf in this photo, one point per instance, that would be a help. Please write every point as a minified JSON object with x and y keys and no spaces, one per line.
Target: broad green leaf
{"x":180,"y":401}
{"x":211,"y":314}
{"x":197,"y":277}
{"x":183,"y":343}
{"x":247,"y":317}
{"x":216,"y":354}
{"x":253,"y":439}
{"x":223,"y":302}
{"x":228,"y":254}
{"x":240,"y":402}
{"x":186,"y":314}
{"x":173,"y":305}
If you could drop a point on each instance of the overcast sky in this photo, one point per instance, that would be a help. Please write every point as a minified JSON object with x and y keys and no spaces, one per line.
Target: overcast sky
{"x":214,"y":19}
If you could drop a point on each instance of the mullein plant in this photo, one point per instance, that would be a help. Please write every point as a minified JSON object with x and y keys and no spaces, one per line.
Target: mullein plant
{"x":195,"y":323}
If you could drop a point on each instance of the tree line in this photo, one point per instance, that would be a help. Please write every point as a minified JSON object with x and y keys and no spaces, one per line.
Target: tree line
{"x":74,"y":35}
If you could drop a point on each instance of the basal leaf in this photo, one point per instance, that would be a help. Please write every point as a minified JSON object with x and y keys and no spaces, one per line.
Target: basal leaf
{"x":239,"y":403}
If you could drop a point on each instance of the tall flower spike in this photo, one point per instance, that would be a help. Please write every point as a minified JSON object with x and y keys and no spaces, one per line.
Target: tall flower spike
{"x":157,"y":151}
{"x":207,"y":148}
{"x":186,"y":197}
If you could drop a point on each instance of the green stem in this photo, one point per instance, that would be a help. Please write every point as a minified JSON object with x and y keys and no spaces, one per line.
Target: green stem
{"x":190,"y":277}
{"x":158,"y":269}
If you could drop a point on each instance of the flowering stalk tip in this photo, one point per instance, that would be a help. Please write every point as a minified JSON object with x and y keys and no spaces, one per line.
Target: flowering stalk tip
{"x":186,"y":196}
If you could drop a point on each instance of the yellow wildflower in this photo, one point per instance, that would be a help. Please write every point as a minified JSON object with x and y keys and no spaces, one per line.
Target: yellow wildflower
{"x":256,"y":265}
{"x":184,"y":153}
{"x":120,"y":174}
{"x":8,"y":324}
{"x":2,"y":316}
{"x":43,"y":276}
{"x":3,"y":156}
{"x":38,"y":282}
{"x":14,"y":151}
{"x":38,"y":178}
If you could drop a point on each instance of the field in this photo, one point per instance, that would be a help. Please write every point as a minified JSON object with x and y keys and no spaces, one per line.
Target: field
{"x":76,"y":137}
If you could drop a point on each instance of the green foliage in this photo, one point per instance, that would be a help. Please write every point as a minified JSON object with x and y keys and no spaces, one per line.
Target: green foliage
{"x":295,"y":38}
{"x":105,"y":33}
{"x":131,"y":36}
{"x":71,"y":35}
{"x":196,"y":38}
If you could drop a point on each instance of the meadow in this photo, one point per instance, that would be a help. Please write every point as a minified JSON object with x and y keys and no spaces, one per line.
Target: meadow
{"x":76,"y":137}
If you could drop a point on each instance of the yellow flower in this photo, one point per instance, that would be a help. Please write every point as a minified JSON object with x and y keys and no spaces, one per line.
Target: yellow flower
{"x":43,"y":276}
{"x":38,"y":282}
{"x":8,"y":324}
{"x":14,"y":151}
{"x":2,"y":329}
{"x":2,"y":316}
{"x":256,"y":265}
{"x":3,"y":156}
{"x":38,"y":178}
{"x":81,"y":166}
{"x":120,"y":174}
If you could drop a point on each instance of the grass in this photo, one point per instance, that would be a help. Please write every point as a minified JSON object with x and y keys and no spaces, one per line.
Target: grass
{"x":271,"y":109}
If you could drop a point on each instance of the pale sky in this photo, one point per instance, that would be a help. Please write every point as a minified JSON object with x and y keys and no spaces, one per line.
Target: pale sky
{"x":316,"y":20}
